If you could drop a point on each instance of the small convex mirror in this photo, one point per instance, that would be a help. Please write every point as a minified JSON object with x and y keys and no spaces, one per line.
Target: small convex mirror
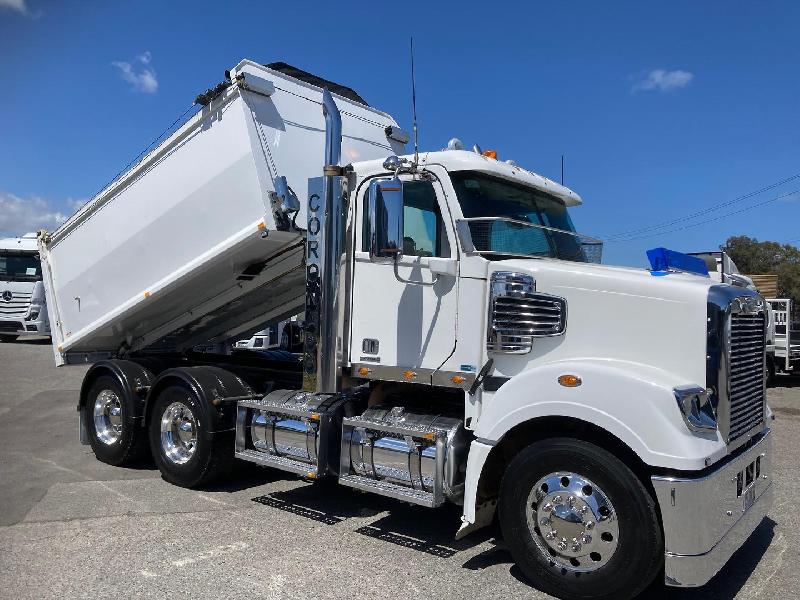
{"x":385,"y":208}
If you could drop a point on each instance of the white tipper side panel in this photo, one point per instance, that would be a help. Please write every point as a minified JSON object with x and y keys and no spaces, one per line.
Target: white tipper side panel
{"x":158,"y":253}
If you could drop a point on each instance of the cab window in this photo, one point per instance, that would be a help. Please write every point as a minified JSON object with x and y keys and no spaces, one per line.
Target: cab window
{"x":423,"y":228}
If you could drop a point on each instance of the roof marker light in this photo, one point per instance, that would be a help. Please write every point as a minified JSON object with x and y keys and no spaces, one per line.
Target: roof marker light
{"x":490,"y":154}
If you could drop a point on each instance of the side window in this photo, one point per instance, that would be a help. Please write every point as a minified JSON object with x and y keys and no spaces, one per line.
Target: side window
{"x":423,"y":228}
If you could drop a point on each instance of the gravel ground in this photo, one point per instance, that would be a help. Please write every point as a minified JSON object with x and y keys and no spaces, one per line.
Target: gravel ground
{"x":71,"y":526}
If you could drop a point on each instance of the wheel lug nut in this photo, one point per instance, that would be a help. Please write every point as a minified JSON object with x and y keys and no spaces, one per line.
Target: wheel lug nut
{"x":551,"y":535}
{"x":584,"y":509}
{"x":557,"y":500}
{"x":562,"y":545}
{"x":547,"y":507}
{"x":571,"y":500}
{"x":576,"y":547}
{"x":586,"y":539}
{"x":544,"y":521}
{"x":589,"y":525}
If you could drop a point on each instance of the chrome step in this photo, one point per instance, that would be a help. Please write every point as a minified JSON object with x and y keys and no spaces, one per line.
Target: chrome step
{"x":399,"y":492}
{"x":277,"y":462}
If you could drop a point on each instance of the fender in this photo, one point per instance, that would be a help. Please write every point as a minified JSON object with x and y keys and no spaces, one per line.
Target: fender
{"x":132,"y":378}
{"x":631,"y":401}
{"x":207,"y":383}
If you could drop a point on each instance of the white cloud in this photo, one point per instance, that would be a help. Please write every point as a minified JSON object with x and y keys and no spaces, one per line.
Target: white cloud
{"x":662,"y":81}
{"x":18,"y":5}
{"x":139,"y":74}
{"x":22,"y":215}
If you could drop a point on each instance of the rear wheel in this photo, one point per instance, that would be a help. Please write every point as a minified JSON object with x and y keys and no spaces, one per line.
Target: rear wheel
{"x":113,"y":433}
{"x":186,"y":452}
{"x":578,"y":522}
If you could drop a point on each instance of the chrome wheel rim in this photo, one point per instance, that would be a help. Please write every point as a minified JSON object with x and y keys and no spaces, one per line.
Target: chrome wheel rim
{"x":108,"y":417}
{"x":572,"y":522}
{"x":178,"y":433}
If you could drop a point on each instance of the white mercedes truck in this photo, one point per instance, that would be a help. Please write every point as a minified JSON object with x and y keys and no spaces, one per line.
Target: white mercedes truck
{"x":22,"y":297}
{"x":461,"y":342}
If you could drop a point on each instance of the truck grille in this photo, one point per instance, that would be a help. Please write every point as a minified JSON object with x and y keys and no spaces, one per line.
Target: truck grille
{"x":518,"y":313}
{"x":17,"y":306}
{"x":746,"y":383}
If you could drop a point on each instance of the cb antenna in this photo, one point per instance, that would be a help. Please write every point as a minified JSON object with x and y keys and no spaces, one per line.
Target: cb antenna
{"x":414,"y":106}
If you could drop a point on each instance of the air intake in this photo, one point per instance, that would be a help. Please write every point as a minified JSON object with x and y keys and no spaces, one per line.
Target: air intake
{"x":518,"y":313}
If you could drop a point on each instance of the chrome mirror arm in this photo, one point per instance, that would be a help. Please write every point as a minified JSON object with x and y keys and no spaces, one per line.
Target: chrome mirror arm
{"x":401,"y":280}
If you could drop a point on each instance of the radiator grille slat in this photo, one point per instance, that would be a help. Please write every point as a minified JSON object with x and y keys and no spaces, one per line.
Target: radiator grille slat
{"x":746,"y":374}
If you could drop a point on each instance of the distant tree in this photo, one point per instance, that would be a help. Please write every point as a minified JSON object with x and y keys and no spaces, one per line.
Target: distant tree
{"x":754,"y":257}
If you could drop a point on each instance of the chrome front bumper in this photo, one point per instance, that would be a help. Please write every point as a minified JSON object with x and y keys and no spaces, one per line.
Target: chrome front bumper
{"x":706,"y":519}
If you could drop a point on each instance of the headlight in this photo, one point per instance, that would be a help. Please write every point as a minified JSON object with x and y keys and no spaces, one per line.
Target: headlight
{"x":696,"y":408}
{"x":33,"y":314}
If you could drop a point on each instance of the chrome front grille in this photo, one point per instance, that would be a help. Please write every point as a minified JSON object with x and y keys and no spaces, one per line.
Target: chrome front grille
{"x":518,"y":313}
{"x":17,"y":306}
{"x":746,"y":376}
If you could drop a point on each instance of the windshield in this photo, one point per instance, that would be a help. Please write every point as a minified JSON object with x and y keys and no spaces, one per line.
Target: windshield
{"x":19,"y":266}
{"x":510,"y":219}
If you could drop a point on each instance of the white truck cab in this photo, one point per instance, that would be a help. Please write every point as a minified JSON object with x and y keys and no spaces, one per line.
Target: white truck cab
{"x":23,"y":310}
{"x":461,"y":342}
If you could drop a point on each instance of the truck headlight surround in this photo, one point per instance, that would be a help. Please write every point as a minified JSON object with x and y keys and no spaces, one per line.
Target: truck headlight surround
{"x":696,"y":408}
{"x":33,"y":313}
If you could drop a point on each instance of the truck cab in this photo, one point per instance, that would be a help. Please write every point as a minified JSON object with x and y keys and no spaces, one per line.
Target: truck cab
{"x":23,"y":310}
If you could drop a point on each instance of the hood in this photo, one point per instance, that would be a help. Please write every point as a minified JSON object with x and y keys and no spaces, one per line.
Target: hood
{"x":619,"y":313}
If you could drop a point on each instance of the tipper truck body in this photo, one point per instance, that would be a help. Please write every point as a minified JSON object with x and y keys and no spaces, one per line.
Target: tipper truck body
{"x":461,"y":343}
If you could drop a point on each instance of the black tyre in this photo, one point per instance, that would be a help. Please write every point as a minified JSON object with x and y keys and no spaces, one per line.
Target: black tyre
{"x":116,"y":438}
{"x":578,"y":522}
{"x":186,"y":453}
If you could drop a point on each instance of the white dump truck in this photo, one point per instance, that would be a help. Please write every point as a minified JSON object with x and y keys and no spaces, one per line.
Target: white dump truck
{"x":461,"y":342}
{"x":22,"y":297}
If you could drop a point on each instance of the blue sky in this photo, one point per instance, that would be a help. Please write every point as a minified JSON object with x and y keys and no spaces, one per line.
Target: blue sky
{"x":663,"y":109}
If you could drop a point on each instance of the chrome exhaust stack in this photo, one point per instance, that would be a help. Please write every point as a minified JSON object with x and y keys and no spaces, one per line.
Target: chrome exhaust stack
{"x":324,"y":247}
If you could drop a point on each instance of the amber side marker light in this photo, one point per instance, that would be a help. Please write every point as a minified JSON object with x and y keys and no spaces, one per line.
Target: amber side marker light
{"x":490,"y":153}
{"x":569,"y":380}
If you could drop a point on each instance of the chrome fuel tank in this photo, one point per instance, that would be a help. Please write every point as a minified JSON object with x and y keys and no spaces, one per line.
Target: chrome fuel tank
{"x":419,"y":458}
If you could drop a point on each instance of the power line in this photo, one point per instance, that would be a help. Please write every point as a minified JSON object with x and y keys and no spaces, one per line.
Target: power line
{"x":700,"y":213}
{"x":691,"y":225}
{"x":147,"y":148}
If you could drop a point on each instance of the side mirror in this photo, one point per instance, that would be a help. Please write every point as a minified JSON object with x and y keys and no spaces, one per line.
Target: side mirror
{"x":385,"y":207}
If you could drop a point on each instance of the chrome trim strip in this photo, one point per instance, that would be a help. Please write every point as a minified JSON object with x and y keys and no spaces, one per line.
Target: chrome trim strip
{"x":422,"y":376}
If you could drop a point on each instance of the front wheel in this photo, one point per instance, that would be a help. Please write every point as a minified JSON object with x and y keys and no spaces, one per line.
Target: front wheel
{"x":578,"y":522}
{"x":186,"y":452}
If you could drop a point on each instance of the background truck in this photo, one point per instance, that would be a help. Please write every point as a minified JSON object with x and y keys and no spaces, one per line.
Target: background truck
{"x":22,"y":297}
{"x":784,"y":350}
{"x":459,"y":343}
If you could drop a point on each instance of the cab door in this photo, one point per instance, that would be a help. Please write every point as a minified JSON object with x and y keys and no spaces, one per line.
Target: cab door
{"x":405,"y":321}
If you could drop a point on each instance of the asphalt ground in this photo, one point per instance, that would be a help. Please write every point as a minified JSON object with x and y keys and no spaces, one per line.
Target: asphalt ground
{"x":72,"y":527}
